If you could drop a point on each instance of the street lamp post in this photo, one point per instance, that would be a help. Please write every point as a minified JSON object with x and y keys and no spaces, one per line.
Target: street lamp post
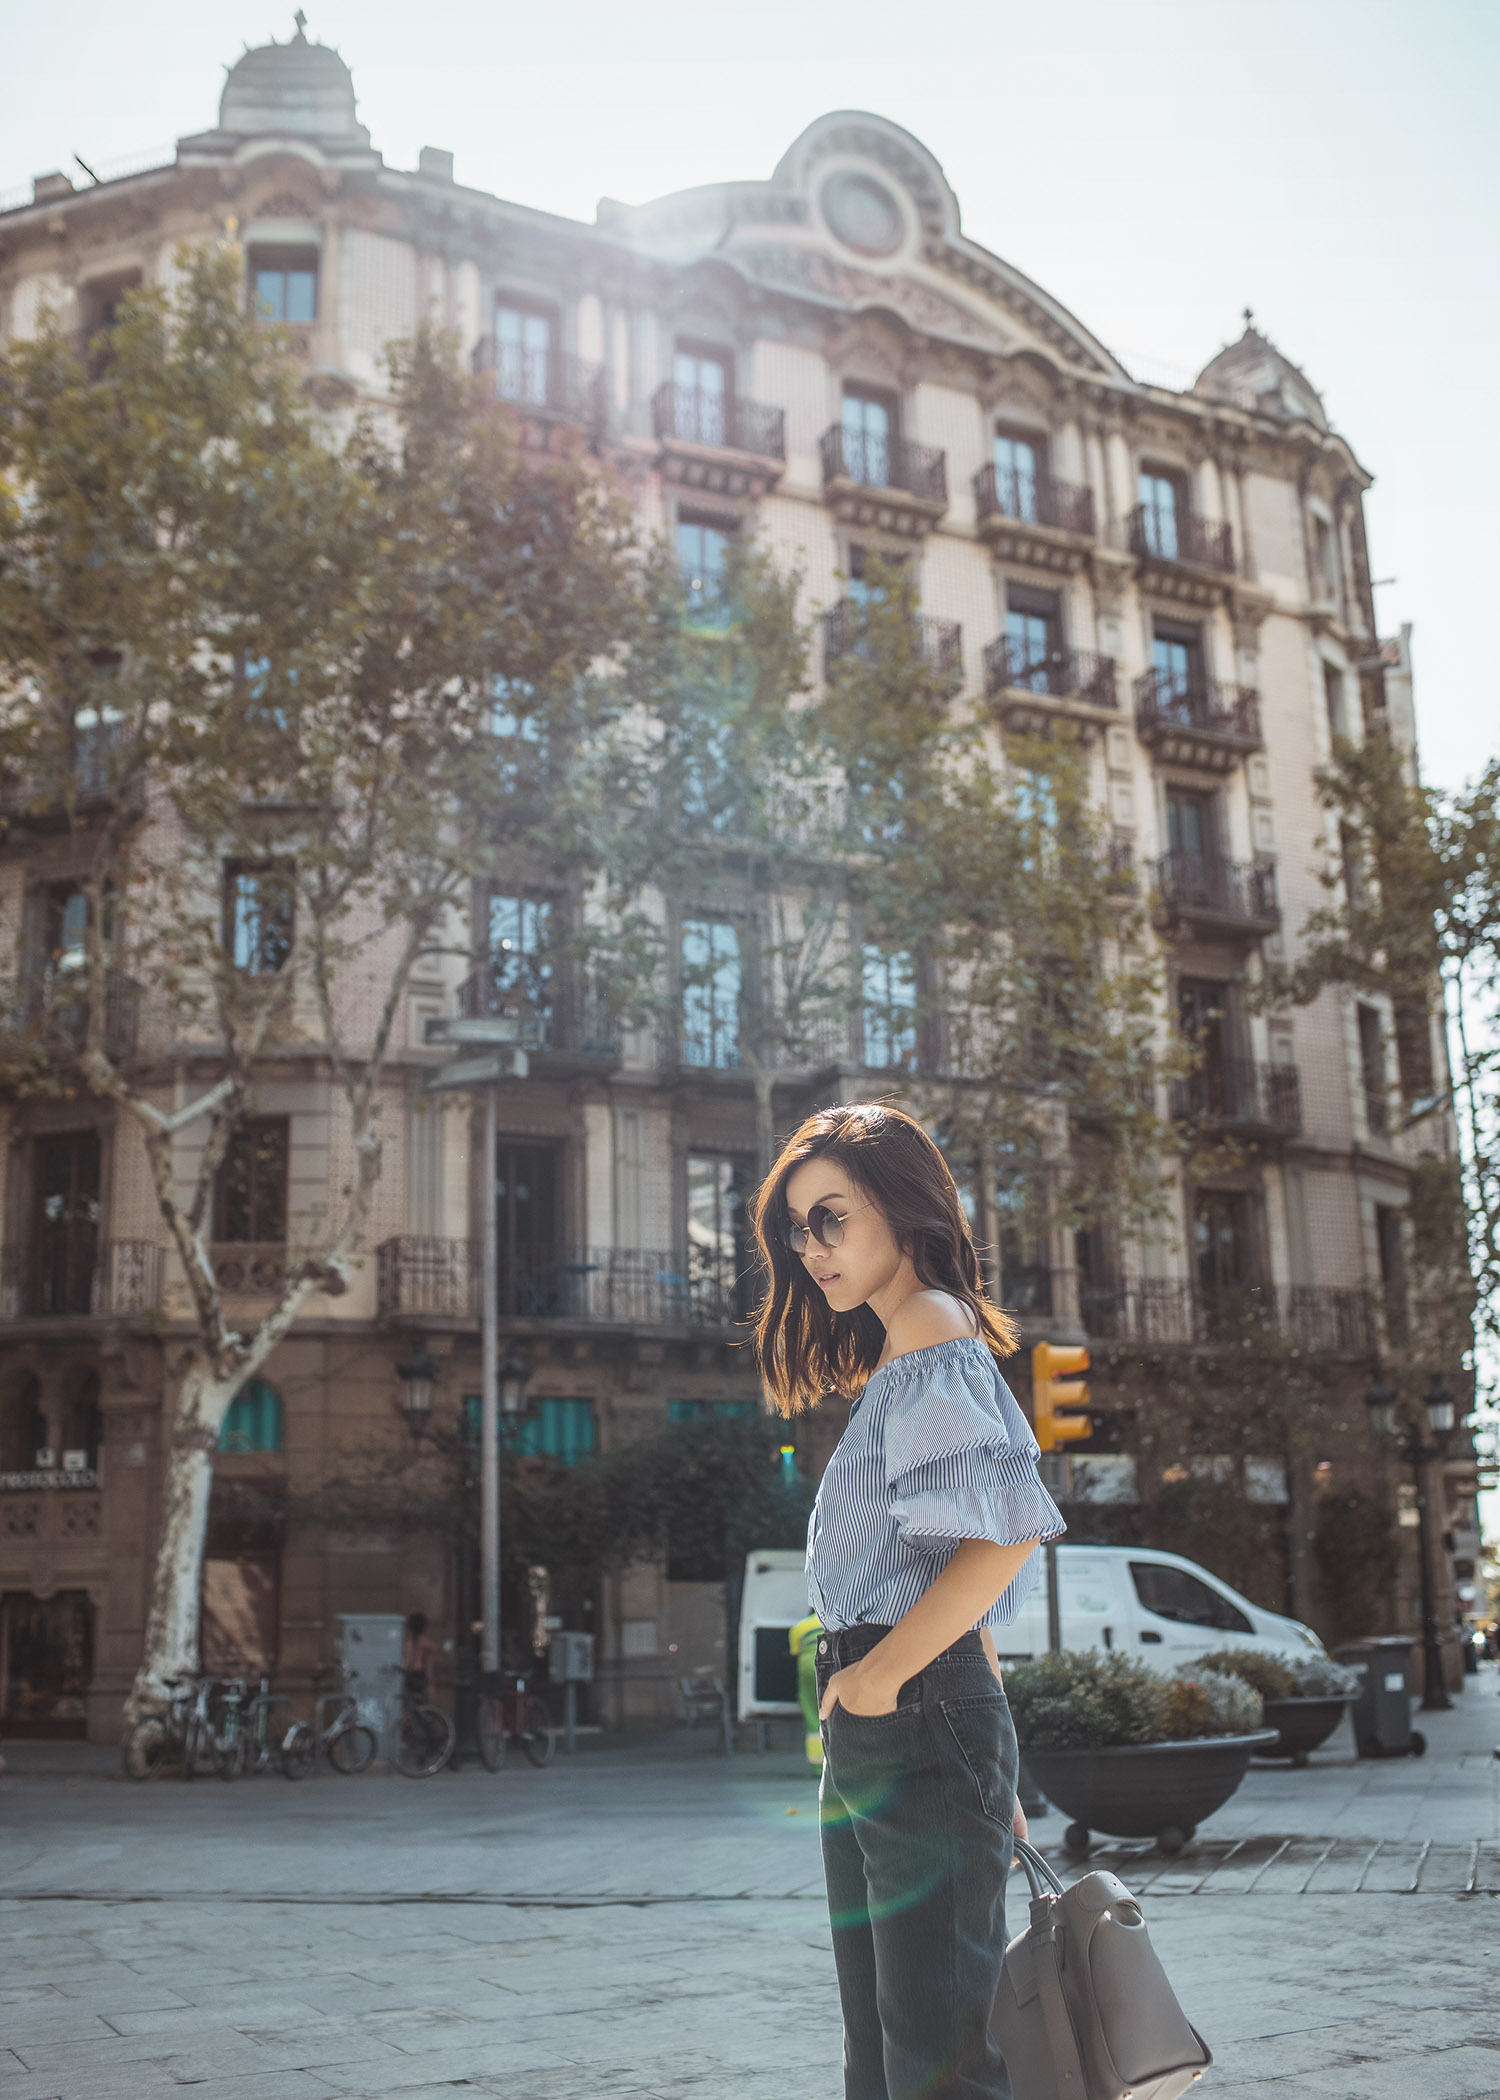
{"x":1421,"y":1453}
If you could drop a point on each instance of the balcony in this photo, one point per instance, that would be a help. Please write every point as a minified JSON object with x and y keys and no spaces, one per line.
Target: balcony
{"x":939,"y":643}
{"x":1330,"y":1320}
{"x":1034,"y":518}
{"x":1181,"y":555}
{"x":442,"y":1280}
{"x":1031,"y":693}
{"x":547,"y":389}
{"x":74,"y":1275}
{"x":249,"y":1268}
{"x":1238,"y":1095}
{"x":730,"y":447}
{"x":93,"y":783}
{"x":885,"y":482}
{"x":49,"y":1010}
{"x":1231,"y":899}
{"x":1208,"y":726}
{"x":580,"y":1030}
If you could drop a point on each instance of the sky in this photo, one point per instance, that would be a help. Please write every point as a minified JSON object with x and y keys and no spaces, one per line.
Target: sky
{"x":1157,"y":166}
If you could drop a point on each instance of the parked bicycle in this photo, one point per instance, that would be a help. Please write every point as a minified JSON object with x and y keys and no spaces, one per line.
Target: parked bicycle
{"x":423,"y":1736}
{"x":335,"y":1729}
{"x":527,"y":1721}
{"x":250,"y":1728}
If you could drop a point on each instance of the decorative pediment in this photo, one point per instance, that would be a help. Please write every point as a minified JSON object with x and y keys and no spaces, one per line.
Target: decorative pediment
{"x":814,"y":273}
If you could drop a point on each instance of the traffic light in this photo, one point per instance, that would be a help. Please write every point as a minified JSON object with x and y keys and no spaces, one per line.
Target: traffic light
{"x":1058,"y":1394}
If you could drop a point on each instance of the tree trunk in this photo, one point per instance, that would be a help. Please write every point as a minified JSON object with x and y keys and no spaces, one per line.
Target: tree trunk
{"x":171,"y":1647}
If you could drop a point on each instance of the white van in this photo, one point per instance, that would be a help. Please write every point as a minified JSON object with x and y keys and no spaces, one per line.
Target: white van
{"x":1157,"y":1606}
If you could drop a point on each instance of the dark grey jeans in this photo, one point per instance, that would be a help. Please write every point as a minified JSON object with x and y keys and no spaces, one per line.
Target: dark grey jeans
{"x":915,"y":1812}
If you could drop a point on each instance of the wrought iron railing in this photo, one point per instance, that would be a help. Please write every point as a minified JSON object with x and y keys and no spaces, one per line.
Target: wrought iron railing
{"x":1076,"y":674}
{"x":76,"y":1274}
{"x":1338,"y":1320}
{"x":422,"y":1277}
{"x":51,"y":1005}
{"x":249,"y":1268}
{"x":1165,"y":533}
{"x":92,"y":773}
{"x":846,"y":633}
{"x":583,"y":1023}
{"x":1241,"y":1090}
{"x":1209,"y":886}
{"x":1208,"y":707}
{"x":544,"y":382}
{"x":1034,"y":499}
{"x":696,"y":417}
{"x":876,"y":462}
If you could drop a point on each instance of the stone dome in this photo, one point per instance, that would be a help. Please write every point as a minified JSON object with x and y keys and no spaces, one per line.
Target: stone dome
{"x":1253,"y":374}
{"x":298,"y":87}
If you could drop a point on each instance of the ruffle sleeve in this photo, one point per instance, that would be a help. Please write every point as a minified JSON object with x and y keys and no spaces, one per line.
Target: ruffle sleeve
{"x":960,"y":1459}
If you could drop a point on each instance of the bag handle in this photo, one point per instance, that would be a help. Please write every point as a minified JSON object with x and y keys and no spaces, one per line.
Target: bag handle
{"x":1038,"y":1872}
{"x":1062,"y":2041}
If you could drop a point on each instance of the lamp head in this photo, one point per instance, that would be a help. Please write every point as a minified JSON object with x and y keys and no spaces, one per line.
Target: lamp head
{"x":1381,"y":1402}
{"x":416,"y":1379}
{"x":513,"y":1372}
{"x":1441,"y":1409}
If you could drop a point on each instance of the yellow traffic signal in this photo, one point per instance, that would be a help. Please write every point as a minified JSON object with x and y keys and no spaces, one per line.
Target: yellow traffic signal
{"x":1057,"y":1393}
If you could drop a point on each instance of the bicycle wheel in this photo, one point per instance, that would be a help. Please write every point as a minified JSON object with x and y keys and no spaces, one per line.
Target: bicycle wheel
{"x":489,"y":1727}
{"x":424,"y":1742}
{"x":299,"y":1750}
{"x":538,"y":1738}
{"x":352,"y":1749}
{"x":144,"y":1750}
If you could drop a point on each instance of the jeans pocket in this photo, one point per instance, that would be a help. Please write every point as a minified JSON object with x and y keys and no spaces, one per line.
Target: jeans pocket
{"x":981,"y":1729}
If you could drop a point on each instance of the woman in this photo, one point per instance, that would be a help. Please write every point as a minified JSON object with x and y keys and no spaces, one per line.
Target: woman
{"x":923,"y":1539}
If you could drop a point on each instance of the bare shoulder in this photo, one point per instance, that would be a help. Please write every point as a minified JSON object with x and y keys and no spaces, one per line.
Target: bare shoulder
{"x":925,"y":1318}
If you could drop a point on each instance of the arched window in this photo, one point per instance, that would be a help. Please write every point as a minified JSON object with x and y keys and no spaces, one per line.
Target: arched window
{"x":253,"y":1422}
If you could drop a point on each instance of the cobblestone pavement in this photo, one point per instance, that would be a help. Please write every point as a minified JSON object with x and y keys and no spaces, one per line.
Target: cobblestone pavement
{"x":644,"y":1923}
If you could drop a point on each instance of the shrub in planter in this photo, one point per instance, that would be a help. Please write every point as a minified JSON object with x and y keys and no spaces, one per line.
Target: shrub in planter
{"x":1120,"y":1748}
{"x":1304,"y":1696}
{"x":1086,"y":1700}
{"x":1269,"y":1674}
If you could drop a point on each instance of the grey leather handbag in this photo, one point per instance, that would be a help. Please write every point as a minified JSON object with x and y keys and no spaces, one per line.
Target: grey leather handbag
{"x":1084,"y":2010}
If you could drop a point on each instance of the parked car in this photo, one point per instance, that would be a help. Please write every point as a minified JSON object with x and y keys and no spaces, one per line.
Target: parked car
{"x":1158,"y":1606}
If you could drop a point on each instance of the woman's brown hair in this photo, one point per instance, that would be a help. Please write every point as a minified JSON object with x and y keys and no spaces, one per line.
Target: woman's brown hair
{"x":803,"y":1348}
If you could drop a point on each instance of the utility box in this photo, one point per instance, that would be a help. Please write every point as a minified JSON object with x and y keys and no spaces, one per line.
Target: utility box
{"x":570,"y":1658}
{"x":369,"y":1644}
{"x":1381,"y":1712}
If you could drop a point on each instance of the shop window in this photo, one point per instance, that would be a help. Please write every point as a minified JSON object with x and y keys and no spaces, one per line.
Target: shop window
{"x":47,"y":1659}
{"x":254,"y":1420}
{"x":560,"y":1430}
{"x":251,"y":1190}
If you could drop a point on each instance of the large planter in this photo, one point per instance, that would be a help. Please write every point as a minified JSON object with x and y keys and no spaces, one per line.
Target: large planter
{"x":1160,"y":1790}
{"x":1302,"y":1725}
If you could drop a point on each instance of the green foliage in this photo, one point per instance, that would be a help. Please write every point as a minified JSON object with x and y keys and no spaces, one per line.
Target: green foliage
{"x":1086,"y":1699}
{"x":1092,"y":1699}
{"x":1354,"y":1544}
{"x":1266,"y":1674}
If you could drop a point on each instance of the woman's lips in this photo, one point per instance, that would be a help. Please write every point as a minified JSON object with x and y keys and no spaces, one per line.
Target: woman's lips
{"x":825,"y":1281}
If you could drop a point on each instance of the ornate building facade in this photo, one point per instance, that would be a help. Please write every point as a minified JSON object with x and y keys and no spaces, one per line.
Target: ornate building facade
{"x":824,"y":359}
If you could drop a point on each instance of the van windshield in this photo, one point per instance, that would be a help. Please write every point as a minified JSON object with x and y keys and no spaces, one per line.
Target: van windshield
{"x":1174,"y":1594}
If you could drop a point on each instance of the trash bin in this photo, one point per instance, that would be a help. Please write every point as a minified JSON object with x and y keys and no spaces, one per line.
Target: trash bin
{"x":1382,"y":1706}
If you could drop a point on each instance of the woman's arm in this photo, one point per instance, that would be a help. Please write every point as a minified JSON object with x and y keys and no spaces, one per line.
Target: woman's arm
{"x":979,"y":1572}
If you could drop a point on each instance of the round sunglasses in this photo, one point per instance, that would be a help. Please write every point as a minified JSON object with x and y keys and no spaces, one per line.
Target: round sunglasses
{"x":823,"y":1225}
